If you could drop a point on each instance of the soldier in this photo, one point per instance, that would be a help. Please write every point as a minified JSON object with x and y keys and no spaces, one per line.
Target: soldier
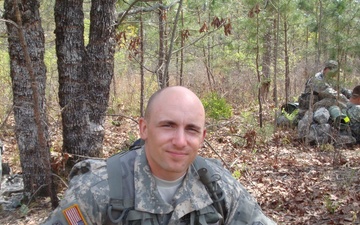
{"x":353,"y":112}
{"x":324,"y":94}
{"x":159,"y":183}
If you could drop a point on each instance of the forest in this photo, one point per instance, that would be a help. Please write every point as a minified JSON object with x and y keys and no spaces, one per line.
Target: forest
{"x":76,"y":76}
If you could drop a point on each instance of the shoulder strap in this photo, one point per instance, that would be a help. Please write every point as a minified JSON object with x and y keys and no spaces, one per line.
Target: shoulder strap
{"x":209,"y":178}
{"x":118,"y":206}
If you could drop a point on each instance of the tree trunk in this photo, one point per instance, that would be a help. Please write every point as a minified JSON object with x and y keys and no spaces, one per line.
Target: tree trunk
{"x":258,"y":71}
{"x":84,"y":74}
{"x":286,"y":59}
{"x":161,"y":64}
{"x":142,"y":64}
{"x":266,"y":61}
{"x":99,"y":69}
{"x":182,"y":44}
{"x":168,"y":57}
{"x":28,"y":75}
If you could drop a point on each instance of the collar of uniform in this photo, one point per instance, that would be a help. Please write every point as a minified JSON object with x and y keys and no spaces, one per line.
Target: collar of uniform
{"x":190,"y":196}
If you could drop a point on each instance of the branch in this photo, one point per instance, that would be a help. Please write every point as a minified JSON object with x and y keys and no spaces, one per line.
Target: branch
{"x":198,"y":39}
{"x":10,"y":21}
{"x":226,"y":165}
{"x":172,"y":39}
{"x":156,"y":6}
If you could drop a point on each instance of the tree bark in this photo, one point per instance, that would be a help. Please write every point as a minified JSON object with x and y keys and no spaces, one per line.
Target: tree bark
{"x":85,"y":74}
{"x":28,"y":75}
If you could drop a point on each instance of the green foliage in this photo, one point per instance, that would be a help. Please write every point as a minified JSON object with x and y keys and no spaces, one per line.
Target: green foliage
{"x":330,"y":204}
{"x":216,"y":107}
{"x":327,"y":147}
{"x":236,"y":174}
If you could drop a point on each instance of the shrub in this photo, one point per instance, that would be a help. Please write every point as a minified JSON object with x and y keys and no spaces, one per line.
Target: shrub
{"x":216,"y":107}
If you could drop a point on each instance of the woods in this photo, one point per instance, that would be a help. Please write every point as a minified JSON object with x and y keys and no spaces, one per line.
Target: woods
{"x":80,"y":63}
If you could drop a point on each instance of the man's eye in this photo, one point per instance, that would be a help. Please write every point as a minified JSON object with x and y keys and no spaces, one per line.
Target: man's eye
{"x":193,"y":130}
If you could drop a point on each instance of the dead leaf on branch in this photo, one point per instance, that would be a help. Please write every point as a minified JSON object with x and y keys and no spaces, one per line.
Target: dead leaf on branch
{"x":185,"y":34}
{"x":120,"y":38}
{"x":204,"y":28}
{"x":227,"y":28}
{"x":254,"y":10}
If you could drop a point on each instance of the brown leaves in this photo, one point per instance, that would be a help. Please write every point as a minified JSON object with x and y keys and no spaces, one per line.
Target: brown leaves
{"x":254,"y":10}
{"x":185,"y":34}
{"x":216,"y":23}
{"x":293,"y":185}
{"x":120,"y":38}
{"x":132,"y":44}
{"x":204,"y":28}
{"x":58,"y":162}
{"x":227,"y":28}
{"x":250,"y":138}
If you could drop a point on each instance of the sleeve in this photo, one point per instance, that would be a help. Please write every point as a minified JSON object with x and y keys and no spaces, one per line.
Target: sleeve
{"x":346,"y":92}
{"x":242,"y":208}
{"x":245,"y":210}
{"x":84,"y":202}
{"x":317,"y":85}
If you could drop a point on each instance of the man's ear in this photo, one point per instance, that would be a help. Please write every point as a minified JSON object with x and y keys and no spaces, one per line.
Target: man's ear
{"x":143,"y":128}
{"x":204,"y":134}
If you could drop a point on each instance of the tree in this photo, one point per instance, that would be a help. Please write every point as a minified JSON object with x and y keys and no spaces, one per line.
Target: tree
{"x":28,"y":75}
{"x":85,"y":72}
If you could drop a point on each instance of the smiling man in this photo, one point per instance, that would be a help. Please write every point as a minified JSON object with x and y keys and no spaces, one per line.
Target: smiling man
{"x":173,"y":130}
{"x":164,"y":182}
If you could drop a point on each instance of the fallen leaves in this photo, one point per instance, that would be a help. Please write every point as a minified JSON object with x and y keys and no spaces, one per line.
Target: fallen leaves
{"x":294,"y":184}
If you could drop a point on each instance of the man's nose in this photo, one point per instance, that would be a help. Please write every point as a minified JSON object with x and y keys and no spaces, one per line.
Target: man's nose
{"x":179,"y":138}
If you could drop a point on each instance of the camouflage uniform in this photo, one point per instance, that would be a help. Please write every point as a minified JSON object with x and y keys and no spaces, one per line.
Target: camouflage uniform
{"x":324,"y":94}
{"x":89,"y":190}
{"x":353,"y":112}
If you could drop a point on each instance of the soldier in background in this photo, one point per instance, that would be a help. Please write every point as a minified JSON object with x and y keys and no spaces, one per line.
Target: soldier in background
{"x":324,"y":93}
{"x":353,"y":112}
{"x":325,"y":118}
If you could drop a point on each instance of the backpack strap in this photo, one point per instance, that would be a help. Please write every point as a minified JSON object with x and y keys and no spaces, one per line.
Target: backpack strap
{"x":209,"y":178}
{"x":117,"y":204}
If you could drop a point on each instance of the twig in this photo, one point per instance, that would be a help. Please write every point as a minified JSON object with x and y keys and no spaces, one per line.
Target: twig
{"x":226,"y":165}
{"x":35,"y":193}
{"x":127,"y":117}
{"x":60,"y":178}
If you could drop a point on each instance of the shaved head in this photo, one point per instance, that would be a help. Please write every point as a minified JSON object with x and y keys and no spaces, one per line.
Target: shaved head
{"x":173,"y":130}
{"x":178,"y":91}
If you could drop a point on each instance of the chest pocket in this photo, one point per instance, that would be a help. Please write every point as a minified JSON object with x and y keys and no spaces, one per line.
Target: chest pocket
{"x":141,"y":218}
{"x":206,"y":216}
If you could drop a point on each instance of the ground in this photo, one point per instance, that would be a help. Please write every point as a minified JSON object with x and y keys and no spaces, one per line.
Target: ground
{"x":293,"y":183}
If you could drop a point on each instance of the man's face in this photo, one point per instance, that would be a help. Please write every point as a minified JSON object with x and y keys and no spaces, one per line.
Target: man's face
{"x":355,"y":100}
{"x":173,"y":133}
{"x":331,"y":72}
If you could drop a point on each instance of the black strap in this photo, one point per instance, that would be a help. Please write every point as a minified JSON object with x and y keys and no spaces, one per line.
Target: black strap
{"x":209,"y":178}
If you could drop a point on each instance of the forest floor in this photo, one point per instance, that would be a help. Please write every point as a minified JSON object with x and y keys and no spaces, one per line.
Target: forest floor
{"x":294,"y":184}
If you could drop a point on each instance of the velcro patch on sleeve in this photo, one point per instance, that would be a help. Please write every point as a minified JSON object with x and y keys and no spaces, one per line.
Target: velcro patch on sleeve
{"x":74,"y":216}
